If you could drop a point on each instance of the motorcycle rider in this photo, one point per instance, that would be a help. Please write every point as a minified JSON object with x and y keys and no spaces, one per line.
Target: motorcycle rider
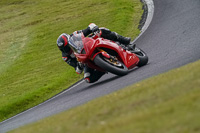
{"x":90,"y":75}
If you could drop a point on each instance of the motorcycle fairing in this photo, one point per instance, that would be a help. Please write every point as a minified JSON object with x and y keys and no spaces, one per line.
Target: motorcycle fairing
{"x":128,"y":58}
{"x":85,"y":49}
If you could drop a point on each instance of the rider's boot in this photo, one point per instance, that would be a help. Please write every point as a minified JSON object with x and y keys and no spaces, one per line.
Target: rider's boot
{"x":87,"y":74}
{"x":87,"y":77}
{"x":91,"y":75}
{"x":131,"y":46}
{"x":123,"y":40}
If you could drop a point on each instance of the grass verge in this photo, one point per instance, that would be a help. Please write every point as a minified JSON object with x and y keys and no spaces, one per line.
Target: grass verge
{"x":31,"y":68}
{"x":167,"y":103}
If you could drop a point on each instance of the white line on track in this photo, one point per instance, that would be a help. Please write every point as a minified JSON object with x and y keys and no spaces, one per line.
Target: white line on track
{"x":150,"y":12}
{"x":70,"y":88}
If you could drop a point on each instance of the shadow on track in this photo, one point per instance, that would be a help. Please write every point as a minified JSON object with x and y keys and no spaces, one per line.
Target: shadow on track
{"x":98,"y":84}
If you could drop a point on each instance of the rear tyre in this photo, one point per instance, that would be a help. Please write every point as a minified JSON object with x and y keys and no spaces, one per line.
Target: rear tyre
{"x":112,"y":66}
{"x":141,"y":55}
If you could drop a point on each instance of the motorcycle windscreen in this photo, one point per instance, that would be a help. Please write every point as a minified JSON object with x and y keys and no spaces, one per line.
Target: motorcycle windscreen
{"x":76,"y":43}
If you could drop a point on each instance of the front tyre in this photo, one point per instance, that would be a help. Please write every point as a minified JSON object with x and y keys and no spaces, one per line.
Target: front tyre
{"x":110,"y":65}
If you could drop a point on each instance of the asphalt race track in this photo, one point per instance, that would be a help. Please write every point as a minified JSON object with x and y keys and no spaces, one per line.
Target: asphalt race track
{"x":171,"y":40}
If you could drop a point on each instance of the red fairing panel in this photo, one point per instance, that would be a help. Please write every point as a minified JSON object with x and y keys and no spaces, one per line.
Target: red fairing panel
{"x":131,"y":60}
{"x":128,"y":58}
{"x":90,"y":45}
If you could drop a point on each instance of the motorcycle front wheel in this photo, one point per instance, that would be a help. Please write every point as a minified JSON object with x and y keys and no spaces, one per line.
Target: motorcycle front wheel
{"x":110,"y":65}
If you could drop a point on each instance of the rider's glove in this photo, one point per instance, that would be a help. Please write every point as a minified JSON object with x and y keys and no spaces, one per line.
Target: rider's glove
{"x":79,"y":68}
{"x":93,"y":27}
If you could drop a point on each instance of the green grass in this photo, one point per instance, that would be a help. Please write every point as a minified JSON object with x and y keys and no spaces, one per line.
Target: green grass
{"x":167,"y":103}
{"x":31,"y":67}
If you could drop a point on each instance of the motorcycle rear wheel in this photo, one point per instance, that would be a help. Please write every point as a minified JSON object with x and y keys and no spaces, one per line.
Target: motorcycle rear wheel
{"x":115,"y":67}
{"x":141,"y":55}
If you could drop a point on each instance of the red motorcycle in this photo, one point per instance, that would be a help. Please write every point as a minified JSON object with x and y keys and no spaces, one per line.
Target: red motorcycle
{"x":105,"y":55}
